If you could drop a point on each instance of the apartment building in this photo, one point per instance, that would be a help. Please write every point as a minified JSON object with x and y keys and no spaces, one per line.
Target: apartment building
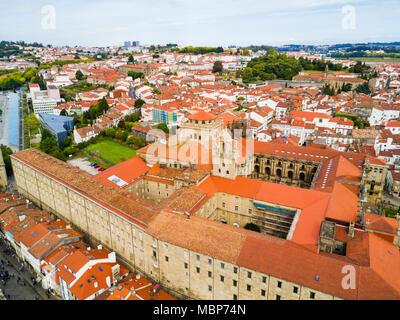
{"x":44,"y":101}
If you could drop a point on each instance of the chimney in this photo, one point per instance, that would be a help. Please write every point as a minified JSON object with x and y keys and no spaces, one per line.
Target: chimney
{"x":350,"y":232}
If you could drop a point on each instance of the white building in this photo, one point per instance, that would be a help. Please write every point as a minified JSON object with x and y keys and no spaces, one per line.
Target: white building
{"x":44,"y":101}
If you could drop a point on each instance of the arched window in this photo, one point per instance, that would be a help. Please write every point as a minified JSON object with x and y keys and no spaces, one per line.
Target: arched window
{"x":290,"y":174}
{"x":268,"y":170}
{"x":279,"y":173}
{"x":302,"y":176}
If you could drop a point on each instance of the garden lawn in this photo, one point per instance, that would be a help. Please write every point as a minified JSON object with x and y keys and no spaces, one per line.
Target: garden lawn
{"x":111,"y":151}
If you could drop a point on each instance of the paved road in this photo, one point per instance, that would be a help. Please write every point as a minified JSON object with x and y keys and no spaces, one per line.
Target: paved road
{"x":18,"y":291}
{"x":4,"y":123}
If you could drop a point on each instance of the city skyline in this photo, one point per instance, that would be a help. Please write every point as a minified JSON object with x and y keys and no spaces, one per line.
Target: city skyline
{"x":108,"y":23}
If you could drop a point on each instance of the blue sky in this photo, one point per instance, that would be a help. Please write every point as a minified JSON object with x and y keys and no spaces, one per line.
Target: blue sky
{"x":200,"y":22}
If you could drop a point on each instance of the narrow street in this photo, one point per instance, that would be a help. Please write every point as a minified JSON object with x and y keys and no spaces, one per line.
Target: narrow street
{"x":23,"y":289}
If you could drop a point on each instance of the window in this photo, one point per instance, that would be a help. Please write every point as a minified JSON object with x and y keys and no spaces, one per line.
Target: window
{"x":197,"y":257}
{"x":278,"y":297}
{"x":248,"y":287}
{"x":234,"y":297}
{"x":197,"y":269}
{"x":185,"y":253}
{"x":222,"y":265}
{"x":295,"y":289}
{"x":279,"y":284}
{"x":249,"y":274}
{"x":166,"y":259}
{"x":263,"y":293}
{"x":223,"y":204}
{"x":250,"y":211}
{"x":154,"y":254}
{"x":222,"y":278}
{"x":186,"y":265}
{"x":209,"y":261}
{"x":209,"y":288}
{"x":235,"y":269}
{"x":264,"y":279}
{"x":236,"y":208}
{"x":209,"y":274}
{"x":234,"y":283}
{"x":312,"y":295}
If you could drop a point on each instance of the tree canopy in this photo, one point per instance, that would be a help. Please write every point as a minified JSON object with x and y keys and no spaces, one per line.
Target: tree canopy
{"x":217,"y":67}
{"x":162,"y":126}
{"x":271,"y":65}
{"x":79,"y":75}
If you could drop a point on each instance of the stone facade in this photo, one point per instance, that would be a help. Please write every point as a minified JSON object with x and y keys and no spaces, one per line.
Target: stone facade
{"x":373,"y":182}
{"x":287,"y":171}
{"x":3,"y":174}
{"x":181,"y":271}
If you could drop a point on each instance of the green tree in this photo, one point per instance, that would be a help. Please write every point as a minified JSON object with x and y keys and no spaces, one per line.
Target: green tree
{"x":63,"y":112}
{"x":66,"y":142}
{"x":135,"y":74}
{"x":121,"y":135}
{"x":79,"y":75}
{"x":328,"y":90}
{"x":139,"y":103}
{"x":69,"y":150}
{"x":110,"y":132}
{"x":38,"y":79}
{"x":346,"y":87}
{"x":162,"y":126}
{"x":6,"y":152}
{"x":58,"y":154}
{"x":363,"y":88}
{"x":247,"y":74}
{"x":131,"y":60}
{"x":217,"y":67}
{"x":48,"y":143}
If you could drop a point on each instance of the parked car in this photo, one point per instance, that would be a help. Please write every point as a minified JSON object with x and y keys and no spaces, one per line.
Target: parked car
{"x":93,"y":164}
{"x":96,"y":166}
{"x":102,"y":169}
